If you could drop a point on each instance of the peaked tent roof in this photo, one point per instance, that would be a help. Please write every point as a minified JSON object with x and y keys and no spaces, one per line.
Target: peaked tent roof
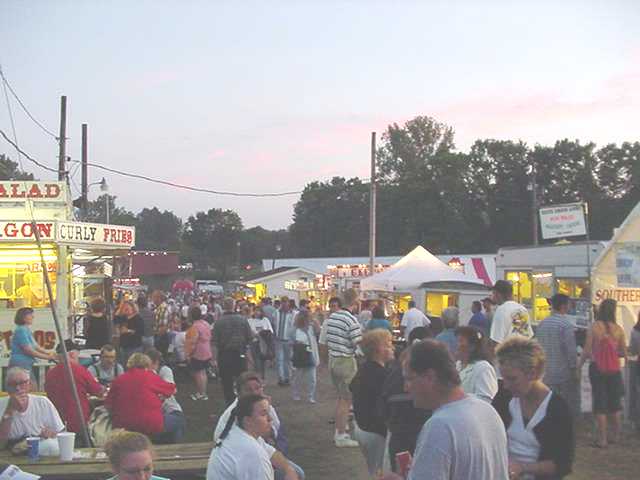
{"x":414,"y":269}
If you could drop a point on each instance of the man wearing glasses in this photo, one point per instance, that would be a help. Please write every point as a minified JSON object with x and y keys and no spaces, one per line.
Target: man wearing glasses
{"x":463,"y":439}
{"x":25,"y":415}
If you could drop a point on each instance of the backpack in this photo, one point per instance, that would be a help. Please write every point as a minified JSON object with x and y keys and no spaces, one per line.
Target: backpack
{"x":606,"y":355}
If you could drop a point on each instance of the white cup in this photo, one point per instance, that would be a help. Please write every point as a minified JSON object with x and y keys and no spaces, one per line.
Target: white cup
{"x":66,"y":441}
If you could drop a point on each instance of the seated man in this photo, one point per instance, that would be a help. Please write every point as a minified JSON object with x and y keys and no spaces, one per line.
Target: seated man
{"x":25,"y":415}
{"x":250,"y":383}
{"x":59,"y":391}
{"x":174,"y":421}
{"x":106,"y":369}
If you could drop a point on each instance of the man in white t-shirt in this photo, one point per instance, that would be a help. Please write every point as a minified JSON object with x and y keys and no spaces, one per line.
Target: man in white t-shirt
{"x":25,"y":415}
{"x":465,"y":438}
{"x":411,"y":319}
{"x":510,"y":318}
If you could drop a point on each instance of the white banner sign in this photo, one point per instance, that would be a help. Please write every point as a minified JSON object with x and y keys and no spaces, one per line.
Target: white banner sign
{"x":21,"y":231}
{"x":628,"y":265}
{"x":13,"y":191}
{"x":77,"y":233}
{"x":562,"y":221}
{"x":69,"y":233}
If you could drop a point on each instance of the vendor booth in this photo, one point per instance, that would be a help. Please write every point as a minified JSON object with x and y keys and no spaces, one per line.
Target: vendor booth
{"x":431,"y":283}
{"x":75,"y":253}
{"x":293,"y":282}
{"x":616,"y":272}
{"x":539,"y":272}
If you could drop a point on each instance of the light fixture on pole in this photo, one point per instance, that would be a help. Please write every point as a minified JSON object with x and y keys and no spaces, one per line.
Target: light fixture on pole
{"x":105,"y":188}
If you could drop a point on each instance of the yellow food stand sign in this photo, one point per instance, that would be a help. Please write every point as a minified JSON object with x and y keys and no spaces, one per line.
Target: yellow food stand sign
{"x":21,"y":273}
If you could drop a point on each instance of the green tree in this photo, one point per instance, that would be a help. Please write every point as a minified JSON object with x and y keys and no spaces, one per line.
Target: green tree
{"x":422,"y":191}
{"x":156,"y":230}
{"x":212,"y":238}
{"x":257,"y":243}
{"x":497,"y":178}
{"x":96,"y":212}
{"x":332,"y":219}
{"x":9,"y":170}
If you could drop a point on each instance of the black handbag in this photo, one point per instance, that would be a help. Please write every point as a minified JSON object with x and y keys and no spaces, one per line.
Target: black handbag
{"x":302,"y":355}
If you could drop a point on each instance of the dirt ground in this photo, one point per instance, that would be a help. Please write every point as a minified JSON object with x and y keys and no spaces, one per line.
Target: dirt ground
{"x":310,"y":436}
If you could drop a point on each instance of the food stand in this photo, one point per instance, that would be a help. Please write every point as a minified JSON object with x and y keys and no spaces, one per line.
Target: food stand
{"x":76,"y":256}
{"x":431,"y":283}
{"x":294,"y":282}
{"x":539,"y":272}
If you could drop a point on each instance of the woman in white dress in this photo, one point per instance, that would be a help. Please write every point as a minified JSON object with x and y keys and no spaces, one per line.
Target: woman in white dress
{"x":477,"y":375}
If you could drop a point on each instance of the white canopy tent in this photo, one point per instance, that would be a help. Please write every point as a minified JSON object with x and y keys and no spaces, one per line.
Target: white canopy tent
{"x":431,"y":283}
{"x":413,"y":270}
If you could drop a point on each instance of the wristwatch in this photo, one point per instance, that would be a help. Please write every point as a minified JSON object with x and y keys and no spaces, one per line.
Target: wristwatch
{"x":7,"y":416}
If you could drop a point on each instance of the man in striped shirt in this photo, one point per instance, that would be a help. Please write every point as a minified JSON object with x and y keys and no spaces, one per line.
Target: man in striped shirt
{"x":343,"y":335}
{"x":557,"y":336}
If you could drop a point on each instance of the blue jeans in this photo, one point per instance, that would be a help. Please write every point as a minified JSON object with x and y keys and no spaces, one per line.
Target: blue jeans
{"x":283,"y":359}
{"x":304,"y":379}
{"x":173,"y":431}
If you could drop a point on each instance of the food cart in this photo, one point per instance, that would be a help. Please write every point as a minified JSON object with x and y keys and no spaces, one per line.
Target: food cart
{"x":76,"y":254}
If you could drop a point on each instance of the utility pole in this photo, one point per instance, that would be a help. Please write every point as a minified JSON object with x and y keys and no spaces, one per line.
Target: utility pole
{"x":85,"y":180}
{"x":372,"y":207}
{"x":534,"y":204}
{"x":62,"y":140}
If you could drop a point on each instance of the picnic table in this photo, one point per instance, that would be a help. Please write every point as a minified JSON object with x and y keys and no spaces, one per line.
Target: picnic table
{"x":171,"y":460}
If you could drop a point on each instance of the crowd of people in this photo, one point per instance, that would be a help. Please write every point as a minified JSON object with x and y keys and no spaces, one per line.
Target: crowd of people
{"x":487,"y":400}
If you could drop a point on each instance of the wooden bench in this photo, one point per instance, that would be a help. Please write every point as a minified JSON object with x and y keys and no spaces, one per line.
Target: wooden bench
{"x":171,"y":460}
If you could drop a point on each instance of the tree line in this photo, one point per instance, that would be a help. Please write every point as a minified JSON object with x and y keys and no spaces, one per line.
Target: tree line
{"x":428,"y":193}
{"x":466,"y":202}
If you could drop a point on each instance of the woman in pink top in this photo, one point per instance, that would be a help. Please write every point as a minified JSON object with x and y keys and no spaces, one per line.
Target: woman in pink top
{"x":197,"y":349}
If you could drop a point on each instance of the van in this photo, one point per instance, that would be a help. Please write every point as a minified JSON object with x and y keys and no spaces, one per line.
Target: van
{"x":209,"y":286}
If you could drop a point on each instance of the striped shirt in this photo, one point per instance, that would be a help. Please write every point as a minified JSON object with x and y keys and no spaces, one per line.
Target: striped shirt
{"x":343,"y":334}
{"x":556,"y":334}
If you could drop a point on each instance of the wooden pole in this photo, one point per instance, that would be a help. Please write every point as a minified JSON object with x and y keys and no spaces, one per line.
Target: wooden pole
{"x":62,"y":140}
{"x":372,"y":207}
{"x":85,"y":179}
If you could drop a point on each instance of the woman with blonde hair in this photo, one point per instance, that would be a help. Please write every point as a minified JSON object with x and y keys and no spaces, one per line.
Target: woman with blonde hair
{"x":131,"y":456}
{"x":367,"y":388}
{"x":604,"y":346}
{"x":539,"y":424}
{"x":135,"y":398}
{"x":305,"y":357}
{"x":131,"y":328}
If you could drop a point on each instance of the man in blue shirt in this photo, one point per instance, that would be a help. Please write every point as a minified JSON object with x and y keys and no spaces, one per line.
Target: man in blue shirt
{"x":478,"y":319}
{"x":450,"y":320}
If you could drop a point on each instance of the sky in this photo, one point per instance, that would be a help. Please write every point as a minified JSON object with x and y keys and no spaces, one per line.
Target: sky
{"x":268,"y":96}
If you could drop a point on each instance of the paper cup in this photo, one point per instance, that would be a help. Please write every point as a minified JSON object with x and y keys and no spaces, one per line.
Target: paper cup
{"x":33,"y":448}
{"x":66,"y":441}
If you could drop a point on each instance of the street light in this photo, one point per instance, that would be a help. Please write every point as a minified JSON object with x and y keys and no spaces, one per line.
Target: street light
{"x":104,"y":188}
{"x":273,"y":261}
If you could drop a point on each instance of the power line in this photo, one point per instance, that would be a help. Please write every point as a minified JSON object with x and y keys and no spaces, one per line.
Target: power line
{"x":26,"y":110}
{"x":150,"y":179}
{"x":188,"y":187}
{"x":27,"y":156}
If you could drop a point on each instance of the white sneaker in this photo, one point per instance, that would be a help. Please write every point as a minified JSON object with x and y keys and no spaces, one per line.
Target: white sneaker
{"x":344,"y":441}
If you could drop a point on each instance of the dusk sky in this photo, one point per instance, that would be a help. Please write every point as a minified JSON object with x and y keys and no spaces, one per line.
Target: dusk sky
{"x":268,"y":96}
